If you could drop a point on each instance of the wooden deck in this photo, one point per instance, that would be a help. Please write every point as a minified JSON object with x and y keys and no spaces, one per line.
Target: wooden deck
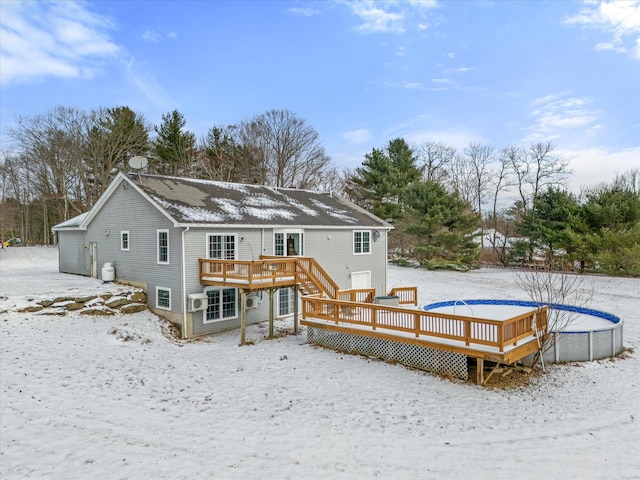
{"x":355,"y":311}
{"x":504,"y":341}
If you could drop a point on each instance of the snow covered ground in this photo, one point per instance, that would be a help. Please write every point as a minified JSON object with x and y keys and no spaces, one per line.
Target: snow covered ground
{"x":113,"y":398}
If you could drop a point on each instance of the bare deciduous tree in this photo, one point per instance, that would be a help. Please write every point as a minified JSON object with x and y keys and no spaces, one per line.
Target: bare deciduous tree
{"x":480,"y":158}
{"x":562,"y":289}
{"x":284,"y":150}
{"x":114,"y":135}
{"x":52,"y":149}
{"x":499,"y":183}
{"x":436,"y":157}
{"x":461,"y":179}
{"x":536,"y":169}
{"x":222,"y":157}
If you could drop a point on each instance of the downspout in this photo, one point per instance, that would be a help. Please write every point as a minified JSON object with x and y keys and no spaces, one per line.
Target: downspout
{"x":386,"y":263}
{"x":184,"y":287}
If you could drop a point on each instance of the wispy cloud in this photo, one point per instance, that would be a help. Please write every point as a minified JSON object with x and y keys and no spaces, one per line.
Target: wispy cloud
{"x":303,"y":11}
{"x":52,"y":39}
{"x":619,"y":19}
{"x":555,"y":113}
{"x":376,"y":19}
{"x":154,"y":36}
{"x":586,"y":164}
{"x":406,"y":85}
{"x":145,"y":82}
{"x":41,"y":40}
{"x":151,"y":36}
{"x":388,"y":16}
{"x":360,"y":135}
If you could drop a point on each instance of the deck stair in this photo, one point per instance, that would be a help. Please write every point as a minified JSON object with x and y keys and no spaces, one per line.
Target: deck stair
{"x":270,"y":272}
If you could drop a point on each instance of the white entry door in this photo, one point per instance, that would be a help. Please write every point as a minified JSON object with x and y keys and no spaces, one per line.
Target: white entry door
{"x":93,"y":259}
{"x":361,"y":280}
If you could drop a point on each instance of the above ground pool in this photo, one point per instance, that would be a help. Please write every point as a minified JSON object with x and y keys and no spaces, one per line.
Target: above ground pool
{"x":587,"y":334}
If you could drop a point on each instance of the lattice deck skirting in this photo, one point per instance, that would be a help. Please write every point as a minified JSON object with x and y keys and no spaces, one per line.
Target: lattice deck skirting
{"x":429,"y":359}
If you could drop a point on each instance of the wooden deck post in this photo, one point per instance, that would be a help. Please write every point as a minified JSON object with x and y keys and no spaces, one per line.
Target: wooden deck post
{"x":243,"y":316}
{"x":271,"y":292}
{"x":480,"y":371}
{"x":295,"y":311}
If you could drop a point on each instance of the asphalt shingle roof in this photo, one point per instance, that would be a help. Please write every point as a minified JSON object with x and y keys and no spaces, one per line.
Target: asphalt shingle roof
{"x":193,"y":201}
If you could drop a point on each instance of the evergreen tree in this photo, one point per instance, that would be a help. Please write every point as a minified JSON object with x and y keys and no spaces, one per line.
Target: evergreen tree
{"x":612,"y":218}
{"x":443,"y":224}
{"x":174,"y":147}
{"x":549,"y":225}
{"x":380,"y":184}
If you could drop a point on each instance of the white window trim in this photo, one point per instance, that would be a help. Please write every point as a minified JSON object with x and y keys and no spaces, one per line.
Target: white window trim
{"x":158,"y":232}
{"x":158,"y":306}
{"x":209,"y":235}
{"x":287,"y":231}
{"x":353,"y":244}
{"x":122,"y":233}
{"x":221,"y":319}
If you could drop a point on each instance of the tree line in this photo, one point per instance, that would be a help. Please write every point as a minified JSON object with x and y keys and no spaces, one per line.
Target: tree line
{"x":450,"y":209}
{"x":63,"y":160}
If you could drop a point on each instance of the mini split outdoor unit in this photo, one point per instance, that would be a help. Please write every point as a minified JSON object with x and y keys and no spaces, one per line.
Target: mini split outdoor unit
{"x":251,"y":302}
{"x":197,"y":301}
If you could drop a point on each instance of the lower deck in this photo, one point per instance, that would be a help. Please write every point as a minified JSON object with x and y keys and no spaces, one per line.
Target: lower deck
{"x":506,"y":340}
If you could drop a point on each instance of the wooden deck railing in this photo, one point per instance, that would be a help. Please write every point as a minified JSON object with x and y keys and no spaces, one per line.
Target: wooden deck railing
{"x":406,"y":295}
{"x":309,"y":270}
{"x":366,"y":295}
{"x":247,"y":274}
{"x":268,"y":272}
{"x":420,"y":323}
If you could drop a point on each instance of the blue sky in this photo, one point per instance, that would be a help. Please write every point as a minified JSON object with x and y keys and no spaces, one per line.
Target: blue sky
{"x":361,"y":73}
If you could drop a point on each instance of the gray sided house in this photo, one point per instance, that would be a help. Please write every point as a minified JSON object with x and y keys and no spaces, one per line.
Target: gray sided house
{"x":154,"y":229}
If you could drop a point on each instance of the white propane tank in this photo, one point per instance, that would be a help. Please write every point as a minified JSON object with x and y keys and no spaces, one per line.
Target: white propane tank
{"x":108,"y":272}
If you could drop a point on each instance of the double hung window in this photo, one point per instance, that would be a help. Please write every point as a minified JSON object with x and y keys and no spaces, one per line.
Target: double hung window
{"x":163,"y":246}
{"x":222,"y":304}
{"x":361,"y":242}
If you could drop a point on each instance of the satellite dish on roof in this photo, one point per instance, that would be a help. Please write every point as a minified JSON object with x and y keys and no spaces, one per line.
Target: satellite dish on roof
{"x":138,"y":162}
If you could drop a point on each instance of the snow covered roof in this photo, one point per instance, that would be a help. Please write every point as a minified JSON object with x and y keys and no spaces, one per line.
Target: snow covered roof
{"x":194,"y":201}
{"x":189,"y":201}
{"x":72,"y":222}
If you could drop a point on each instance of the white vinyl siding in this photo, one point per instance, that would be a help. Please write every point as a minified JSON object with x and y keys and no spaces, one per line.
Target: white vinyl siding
{"x":163,"y":246}
{"x":361,"y":242}
{"x":163,"y":298}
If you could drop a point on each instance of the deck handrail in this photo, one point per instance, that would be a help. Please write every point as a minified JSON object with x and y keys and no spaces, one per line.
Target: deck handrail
{"x":406,"y":295}
{"x":366,"y":295}
{"x":246,"y":272}
{"x":309,"y":268}
{"x":420,"y":323}
{"x":269,"y":271}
